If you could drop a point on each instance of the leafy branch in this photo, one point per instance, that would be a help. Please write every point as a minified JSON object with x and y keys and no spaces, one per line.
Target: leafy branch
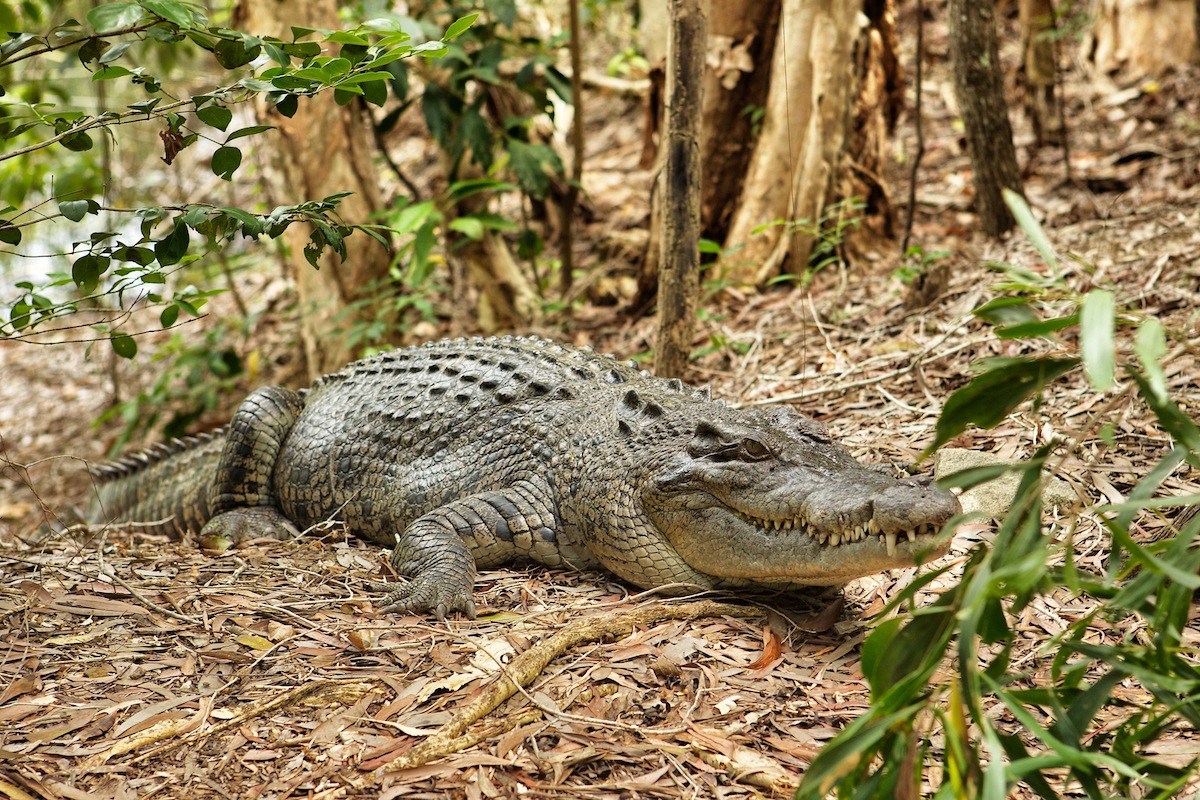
{"x":355,"y":63}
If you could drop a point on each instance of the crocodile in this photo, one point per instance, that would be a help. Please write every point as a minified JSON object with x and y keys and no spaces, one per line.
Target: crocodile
{"x":466,"y":453}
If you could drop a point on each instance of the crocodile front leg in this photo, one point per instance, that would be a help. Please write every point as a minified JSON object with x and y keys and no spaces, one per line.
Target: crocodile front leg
{"x":243,"y":506}
{"x":438,"y":552}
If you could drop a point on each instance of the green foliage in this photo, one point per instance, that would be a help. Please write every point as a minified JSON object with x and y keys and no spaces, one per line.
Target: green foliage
{"x":128,"y":254}
{"x":917,"y":262}
{"x":468,"y":97}
{"x":828,"y":234}
{"x":193,"y":383}
{"x":1095,"y":713}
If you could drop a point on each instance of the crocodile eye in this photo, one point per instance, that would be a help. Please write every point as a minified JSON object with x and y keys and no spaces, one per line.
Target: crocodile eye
{"x":754,"y":450}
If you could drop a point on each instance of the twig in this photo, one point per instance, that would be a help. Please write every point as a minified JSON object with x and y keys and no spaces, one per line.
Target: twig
{"x":106,"y":571}
{"x":254,"y":710}
{"x":528,"y":665}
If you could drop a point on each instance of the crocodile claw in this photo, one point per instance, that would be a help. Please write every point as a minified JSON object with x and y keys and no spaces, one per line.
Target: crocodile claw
{"x":240,"y":525}
{"x":417,"y":595}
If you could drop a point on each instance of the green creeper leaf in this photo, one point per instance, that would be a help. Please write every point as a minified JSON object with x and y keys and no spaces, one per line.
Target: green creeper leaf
{"x":9,"y":234}
{"x":457,"y":27}
{"x":302,"y":49}
{"x":1096,"y":342}
{"x":288,"y":105}
{"x":123,"y":345}
{"x":113,"y":53}
{"x":375,"y":92}
{"x":989,"y":398}
{"x":347,"y":37}
{"x":217,"y":116}
{"x":175,"y":13}
{"x":169,"y":315}
{"x":21,"y":314}
{"x":113,"y":16}
{"x":233,"y":53}
{"x":250,"y":131}
{"x":91,"y":51}
{"x":173,"y":246}
{"x":75,"y":210}
{"x":86,"y":272}
{"x":77,"y":142}
{"x":225,"y":162}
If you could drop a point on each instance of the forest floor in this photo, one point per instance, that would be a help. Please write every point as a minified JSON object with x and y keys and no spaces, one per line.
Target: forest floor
{"x":135,"y":666}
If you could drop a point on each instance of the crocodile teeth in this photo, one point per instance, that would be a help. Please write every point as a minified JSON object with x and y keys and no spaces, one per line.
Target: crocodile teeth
{"x":834,"y":540}
{"x":912,"y":536}
{"x":890,"y":539}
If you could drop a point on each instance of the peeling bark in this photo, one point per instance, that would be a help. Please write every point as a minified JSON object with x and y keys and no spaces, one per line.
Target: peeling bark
{"x":803,"y":132}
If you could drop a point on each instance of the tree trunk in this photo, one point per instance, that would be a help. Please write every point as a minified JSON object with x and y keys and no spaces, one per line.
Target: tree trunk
{"x":1137,"y":38}
{"x":979,"y":87}
{"x":741,"y":41}
{"x":679,"y":283}
{"x":324,"y":149}
{"x":799,"y":150}
{"x":1041,"y":71}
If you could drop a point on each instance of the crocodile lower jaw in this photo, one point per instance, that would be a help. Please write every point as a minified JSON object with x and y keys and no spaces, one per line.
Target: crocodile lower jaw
{"x":891,"y":539}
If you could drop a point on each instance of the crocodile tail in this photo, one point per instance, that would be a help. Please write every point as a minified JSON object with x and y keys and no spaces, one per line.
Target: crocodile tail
{"x":163,"y":489}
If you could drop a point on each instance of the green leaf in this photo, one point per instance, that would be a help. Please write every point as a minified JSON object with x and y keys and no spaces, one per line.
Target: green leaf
{"x":218,"y":117}
{"x":1006,"y":311}
{"x":75,"y":210}
{"x":225,"y":162}
{"x":86,"y":272}
{"x":113,"y":16}
{"x":234,"y":53}
{"x":990,"y":397}
{"x":1150,"y":344}
{"x":1096,"y":327}
{"x":172,"y":247}
{"x":113,"y":53}
{"x":1024,"y":216}
{"x":288,"y":105}
{"x":123,"y":345}
{"x":9,"y":234}
{"x":1041,"y":327}
{"x":457,"y":27}
{"x":559,"y":84}
{"x":77,"y":142}
{"x":169,"y":315}
{"x":175,"y":13}
{"x":375,"y":92}
{"x":473,"y":131}
{"x":468,"y":226}
{"x":526,"y":161}
{"x":347,"y":37}
{"x":250,"y":131}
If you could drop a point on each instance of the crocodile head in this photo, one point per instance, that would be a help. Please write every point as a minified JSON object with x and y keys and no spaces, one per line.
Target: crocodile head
{"x":765,"y":496}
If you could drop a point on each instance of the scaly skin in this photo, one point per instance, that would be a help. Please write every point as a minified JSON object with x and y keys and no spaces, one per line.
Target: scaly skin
{"x":468,"y":453}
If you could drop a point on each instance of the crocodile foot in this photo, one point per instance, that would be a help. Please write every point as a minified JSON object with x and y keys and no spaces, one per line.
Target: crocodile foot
{"x":240,"y":525}
{"x":415,"y":595}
